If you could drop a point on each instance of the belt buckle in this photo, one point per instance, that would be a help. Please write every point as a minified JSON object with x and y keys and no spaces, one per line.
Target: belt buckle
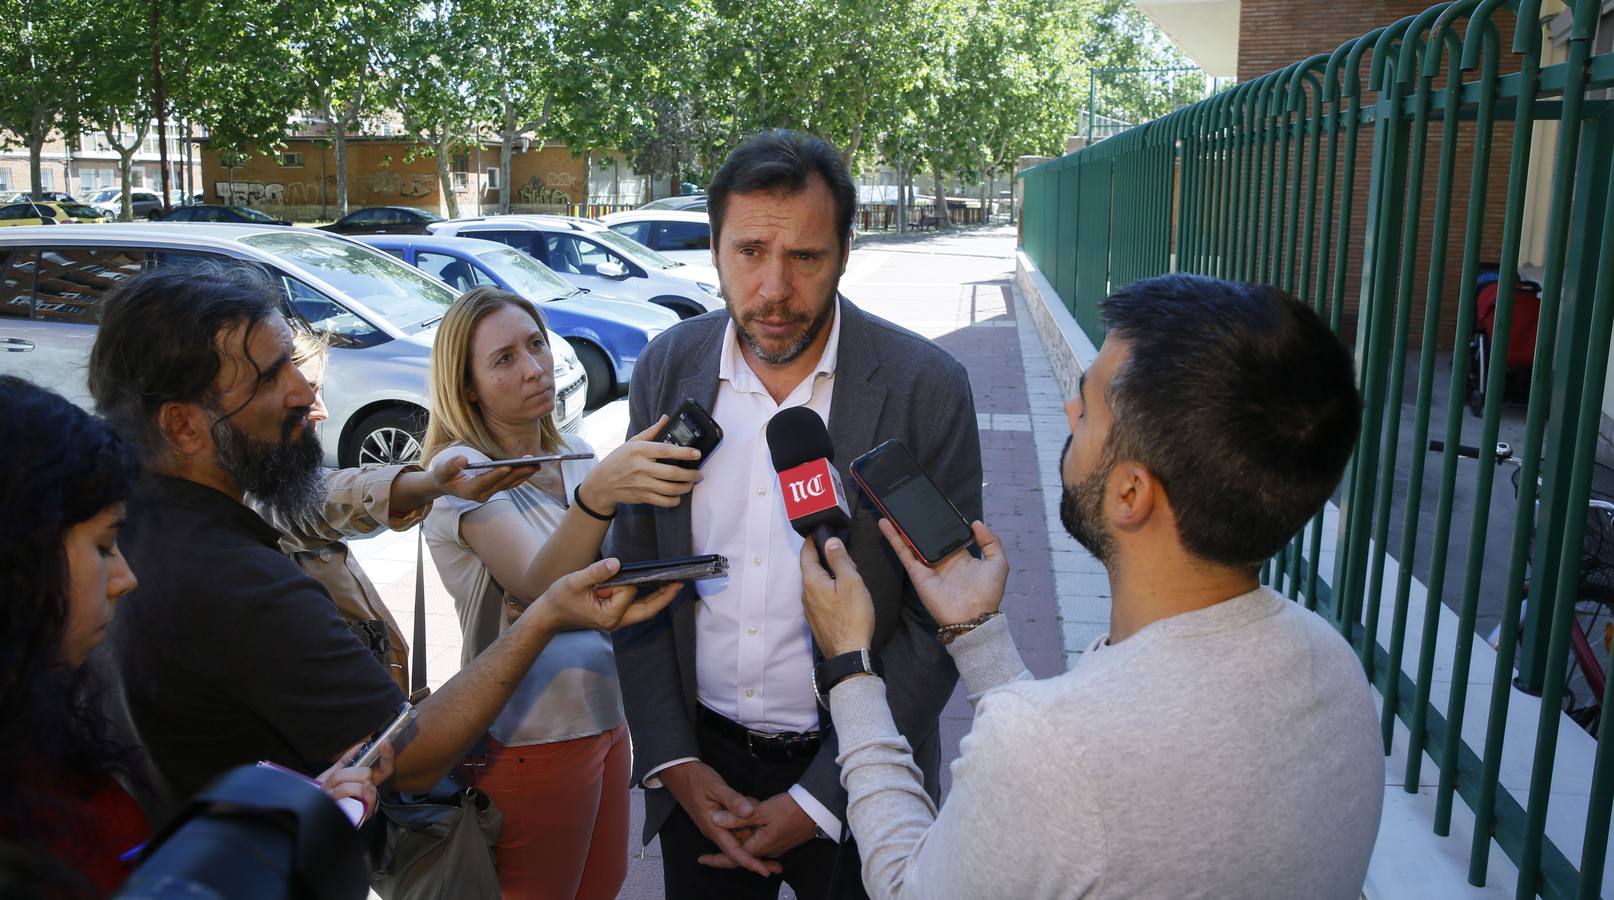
{"x":750,"y":747}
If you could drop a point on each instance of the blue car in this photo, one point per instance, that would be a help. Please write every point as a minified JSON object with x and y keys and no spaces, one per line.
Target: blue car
{"x":608,"y":334}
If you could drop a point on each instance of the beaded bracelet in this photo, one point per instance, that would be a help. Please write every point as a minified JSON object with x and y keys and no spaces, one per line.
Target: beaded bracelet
{"x":949,"y":633}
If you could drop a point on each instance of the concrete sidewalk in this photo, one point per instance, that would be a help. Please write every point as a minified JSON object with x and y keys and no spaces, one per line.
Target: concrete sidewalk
{"x":956,"y":288}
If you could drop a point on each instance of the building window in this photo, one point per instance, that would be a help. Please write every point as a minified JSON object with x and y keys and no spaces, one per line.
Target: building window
{"x":290,"y":160}
{"x":491,"y":180}
{"x":137,"y":178}
{"x":461,"y":167}
{"x":5,"y":179}
{"x":47,"y":179}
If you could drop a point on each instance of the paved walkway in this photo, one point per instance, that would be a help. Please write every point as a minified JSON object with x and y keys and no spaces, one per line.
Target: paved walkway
{"x":957,"y":290}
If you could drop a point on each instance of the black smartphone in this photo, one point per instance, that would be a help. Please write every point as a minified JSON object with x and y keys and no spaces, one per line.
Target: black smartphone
{"x":929,"y":523}
{"x":651,"y":572}
{"x":692,"y":426}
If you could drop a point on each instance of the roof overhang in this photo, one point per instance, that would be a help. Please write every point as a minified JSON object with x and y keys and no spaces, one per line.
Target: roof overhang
{"x":1207,"y":31}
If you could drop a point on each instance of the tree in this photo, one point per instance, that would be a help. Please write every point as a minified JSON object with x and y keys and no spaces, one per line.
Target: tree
{"x":225,"y":67}
{"x":429,"y":64}
{"x":44,"y":75}
{"x":118,"y":90}
{"x":513,"y":79}
{"x":335,"y":62}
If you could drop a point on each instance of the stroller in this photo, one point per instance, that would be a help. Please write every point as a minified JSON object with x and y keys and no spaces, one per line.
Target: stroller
{"x":1518,"y":349}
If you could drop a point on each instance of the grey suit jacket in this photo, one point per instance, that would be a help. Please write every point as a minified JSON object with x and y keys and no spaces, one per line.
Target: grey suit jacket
{"x":889,"y":383}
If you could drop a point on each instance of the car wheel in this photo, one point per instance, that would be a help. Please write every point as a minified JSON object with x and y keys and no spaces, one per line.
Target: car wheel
{"x":386,"y":437}
{"x":601,"y":385}
{"x":154,"y":215}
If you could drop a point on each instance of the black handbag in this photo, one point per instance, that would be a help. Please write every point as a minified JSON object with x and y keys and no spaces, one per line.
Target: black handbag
{"x":439,"y":846}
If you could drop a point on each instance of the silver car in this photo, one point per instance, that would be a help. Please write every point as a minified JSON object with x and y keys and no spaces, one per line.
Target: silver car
{"x":380,"y":315}
{"x":591,"y":256}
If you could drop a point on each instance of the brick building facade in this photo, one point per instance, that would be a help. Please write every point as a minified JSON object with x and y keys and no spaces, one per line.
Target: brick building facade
{"x":300,"y":182}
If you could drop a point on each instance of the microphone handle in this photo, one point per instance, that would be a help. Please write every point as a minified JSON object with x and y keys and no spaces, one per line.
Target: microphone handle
{"x":821,"y":536}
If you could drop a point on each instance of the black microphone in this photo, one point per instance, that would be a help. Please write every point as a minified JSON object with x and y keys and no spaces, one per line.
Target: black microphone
{"x":814,"y":499}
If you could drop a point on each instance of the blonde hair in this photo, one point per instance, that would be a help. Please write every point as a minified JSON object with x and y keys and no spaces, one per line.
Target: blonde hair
{"x":455,"y":418}
{"x":308,"y":346}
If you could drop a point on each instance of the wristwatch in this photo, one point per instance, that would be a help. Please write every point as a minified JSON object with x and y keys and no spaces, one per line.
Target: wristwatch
{"x":836,"y":669}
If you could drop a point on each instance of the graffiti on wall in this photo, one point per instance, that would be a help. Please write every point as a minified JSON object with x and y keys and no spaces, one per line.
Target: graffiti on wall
{"x":250,"y":193}
{"x":537,"y":193}
{"x":405,"y":184}
{"x":272,"y":193}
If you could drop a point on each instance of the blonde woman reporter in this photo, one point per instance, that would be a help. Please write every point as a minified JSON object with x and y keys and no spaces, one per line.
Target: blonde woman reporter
{"x":558,"y":757}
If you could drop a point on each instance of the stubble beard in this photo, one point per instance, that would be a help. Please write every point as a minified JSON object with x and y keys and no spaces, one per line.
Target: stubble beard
{"x":797,"y":345}
{"x":1081,"y":511}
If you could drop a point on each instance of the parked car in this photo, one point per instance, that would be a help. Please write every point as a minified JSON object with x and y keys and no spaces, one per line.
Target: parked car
{"x":384,"y":220}
{"x":608,"y":334}
{"x":213,"y":212}
{"x":49,"y":196}
{"x":695,"y":202}
{"x":145,"y":204}
{"x":39,"y":212}
{"x":380,"y":315}
{"x":589,"y":255}
{"x":676,"y":234}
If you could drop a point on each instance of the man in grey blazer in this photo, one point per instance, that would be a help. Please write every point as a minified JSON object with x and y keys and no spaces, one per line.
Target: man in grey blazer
{"x":741,"y":780}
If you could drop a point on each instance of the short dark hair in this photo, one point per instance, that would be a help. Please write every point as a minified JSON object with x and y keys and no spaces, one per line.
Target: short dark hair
{"x":1239,"y":400}
{"x":784,"y":161}
{"x":158,"y":342}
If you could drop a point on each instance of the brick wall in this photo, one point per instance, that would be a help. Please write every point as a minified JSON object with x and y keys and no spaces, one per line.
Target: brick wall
{"x":380,"y":173}
{"x":1275,"y":33}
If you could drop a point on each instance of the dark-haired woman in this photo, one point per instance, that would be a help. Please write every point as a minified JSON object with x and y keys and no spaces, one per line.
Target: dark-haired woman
{"x":64,"y":477}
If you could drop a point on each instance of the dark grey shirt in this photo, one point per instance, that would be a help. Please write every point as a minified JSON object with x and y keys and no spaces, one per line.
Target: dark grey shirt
{"x":227,"y":652}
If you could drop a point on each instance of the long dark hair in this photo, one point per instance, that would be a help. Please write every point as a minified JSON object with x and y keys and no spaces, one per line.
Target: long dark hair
{"x":59,"y":466}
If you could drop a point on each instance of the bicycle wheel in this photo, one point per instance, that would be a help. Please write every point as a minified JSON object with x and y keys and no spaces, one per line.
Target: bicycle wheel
{"x":1583,"y":688}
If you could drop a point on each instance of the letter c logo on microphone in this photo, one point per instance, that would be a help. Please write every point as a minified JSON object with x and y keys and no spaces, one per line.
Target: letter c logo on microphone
{"x":811,"y":487}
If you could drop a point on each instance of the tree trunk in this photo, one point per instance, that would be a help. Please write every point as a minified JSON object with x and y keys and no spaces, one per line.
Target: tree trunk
{"x":339,"y":137}
{"x":126,"y":175}
{"x":902,"y":198}
{"x":161,"y":105}
{"x":943,"y":220}
{"x":507,"y":141}
{"x":451,"y":201}
{"x":36,"y":181}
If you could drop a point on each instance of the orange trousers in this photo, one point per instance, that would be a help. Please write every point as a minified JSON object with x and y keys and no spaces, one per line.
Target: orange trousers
{"x":565,"y":809}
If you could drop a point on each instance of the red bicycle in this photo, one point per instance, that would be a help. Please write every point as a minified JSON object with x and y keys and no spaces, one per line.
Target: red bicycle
{"x":1591,"y":631}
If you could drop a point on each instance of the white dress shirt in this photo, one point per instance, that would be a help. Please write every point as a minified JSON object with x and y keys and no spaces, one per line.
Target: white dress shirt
{"x":753,"y":647}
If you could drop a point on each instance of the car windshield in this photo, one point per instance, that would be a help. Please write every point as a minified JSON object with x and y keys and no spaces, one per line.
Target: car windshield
{"x":526,"y":276}
{"x":399,"y":293}
{"x":251,"y":215}
{"x":632,"y":249}
{"x":427,"y":215}
{"x":79,"y":209}
{"x":108,"y":194}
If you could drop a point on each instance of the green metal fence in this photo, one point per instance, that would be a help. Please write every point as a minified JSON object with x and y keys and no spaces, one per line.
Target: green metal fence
{"x":1262,"y":183}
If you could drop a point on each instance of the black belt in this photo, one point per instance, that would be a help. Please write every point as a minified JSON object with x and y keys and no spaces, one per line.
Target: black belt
{"x":782,"y":745}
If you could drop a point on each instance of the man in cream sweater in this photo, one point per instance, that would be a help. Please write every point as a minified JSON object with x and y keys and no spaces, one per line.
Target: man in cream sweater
{"x":1220,"y":741}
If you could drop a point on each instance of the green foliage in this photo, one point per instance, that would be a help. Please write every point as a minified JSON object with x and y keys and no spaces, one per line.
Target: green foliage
{"x":961,"y":86}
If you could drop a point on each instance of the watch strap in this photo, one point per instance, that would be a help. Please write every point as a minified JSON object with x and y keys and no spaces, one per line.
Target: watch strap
{"x":836,"y":669}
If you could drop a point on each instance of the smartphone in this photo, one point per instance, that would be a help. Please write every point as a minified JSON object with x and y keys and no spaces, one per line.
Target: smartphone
{"x":660,"y":571}
{"x":929,"y":523}
{"x":371,"y":751}
{"x":528,"y":460}
{"x":692,"y":426}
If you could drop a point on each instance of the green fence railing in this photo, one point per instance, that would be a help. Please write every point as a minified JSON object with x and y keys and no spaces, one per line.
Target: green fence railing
{"x":1375,"y":183}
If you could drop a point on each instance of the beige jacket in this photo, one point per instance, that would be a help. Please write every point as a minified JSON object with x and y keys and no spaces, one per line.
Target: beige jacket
{"x":357,"y":504}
